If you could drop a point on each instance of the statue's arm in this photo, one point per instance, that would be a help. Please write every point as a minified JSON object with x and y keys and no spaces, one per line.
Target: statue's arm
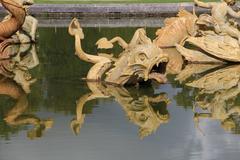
{"x":232,"y":13}
{"x":203,"y":4}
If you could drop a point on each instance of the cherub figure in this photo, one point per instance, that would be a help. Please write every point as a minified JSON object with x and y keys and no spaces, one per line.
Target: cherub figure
{"x":219,"y":13}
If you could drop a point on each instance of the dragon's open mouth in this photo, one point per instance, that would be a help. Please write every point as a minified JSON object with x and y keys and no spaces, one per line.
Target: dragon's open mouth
{"x":157,"y":73}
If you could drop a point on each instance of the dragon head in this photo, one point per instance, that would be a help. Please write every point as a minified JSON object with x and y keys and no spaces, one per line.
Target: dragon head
{"x":148,"y":113}
{"x":138,"y":63}
{"x":75,"y":28}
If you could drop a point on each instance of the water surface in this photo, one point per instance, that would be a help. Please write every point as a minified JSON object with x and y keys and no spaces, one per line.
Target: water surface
{"x":115,"y":127}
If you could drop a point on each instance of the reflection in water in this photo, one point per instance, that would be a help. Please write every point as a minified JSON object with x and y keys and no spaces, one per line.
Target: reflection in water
{"x":218,"y":89}
{"x":15,"y":82}
{"x":17,"y":116}
{"x":217,"y":95}
{"x":145,"y":111}
{"x":192,"y":69}
{"x":17,"y":67}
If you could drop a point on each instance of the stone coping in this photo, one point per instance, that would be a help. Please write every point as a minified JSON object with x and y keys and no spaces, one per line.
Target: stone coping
{"x":110,"y":10}
{"x":155,"y":22}
{"x":141,"y":9}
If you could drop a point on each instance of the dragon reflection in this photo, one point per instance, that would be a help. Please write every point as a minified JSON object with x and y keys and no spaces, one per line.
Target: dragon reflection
{"x":147,"y":112}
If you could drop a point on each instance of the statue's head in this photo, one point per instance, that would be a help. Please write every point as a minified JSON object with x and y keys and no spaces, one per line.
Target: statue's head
{"x":143,"y":59}
{"x":230,"y":2}
{"x":141,"y":64}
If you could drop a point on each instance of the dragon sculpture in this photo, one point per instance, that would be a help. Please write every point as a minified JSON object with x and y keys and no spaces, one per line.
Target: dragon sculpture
{"x":142,"y":110}
{"x":138,"y":62}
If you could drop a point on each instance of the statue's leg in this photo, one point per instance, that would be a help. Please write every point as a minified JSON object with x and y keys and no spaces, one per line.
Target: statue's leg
{"x":232,"y":31}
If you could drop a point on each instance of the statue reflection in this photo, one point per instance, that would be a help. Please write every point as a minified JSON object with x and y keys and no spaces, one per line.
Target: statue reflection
{"x":144,"y":111}
{"x":17,"y":67}
{"x":15,"y":82}
{"x":17,"y":116}
{"x":218,"y":92}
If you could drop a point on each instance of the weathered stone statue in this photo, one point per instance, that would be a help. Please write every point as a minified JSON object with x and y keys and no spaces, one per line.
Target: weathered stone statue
{"x":138,"y":62}
{"x":139,"y":109}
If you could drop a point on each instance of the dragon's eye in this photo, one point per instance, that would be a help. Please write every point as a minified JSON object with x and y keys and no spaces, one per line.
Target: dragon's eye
{"x":142,"y":56}
{"x":143,"y":117}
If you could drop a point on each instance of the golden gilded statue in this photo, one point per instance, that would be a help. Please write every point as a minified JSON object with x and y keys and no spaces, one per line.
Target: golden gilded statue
{"x":218,"y":37}
{"x":135,"y":64}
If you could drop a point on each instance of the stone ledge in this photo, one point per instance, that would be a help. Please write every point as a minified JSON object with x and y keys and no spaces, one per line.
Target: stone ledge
{"x":69,"y":10}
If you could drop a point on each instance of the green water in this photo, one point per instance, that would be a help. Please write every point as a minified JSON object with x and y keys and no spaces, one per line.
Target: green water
{"x":113,"y":127}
